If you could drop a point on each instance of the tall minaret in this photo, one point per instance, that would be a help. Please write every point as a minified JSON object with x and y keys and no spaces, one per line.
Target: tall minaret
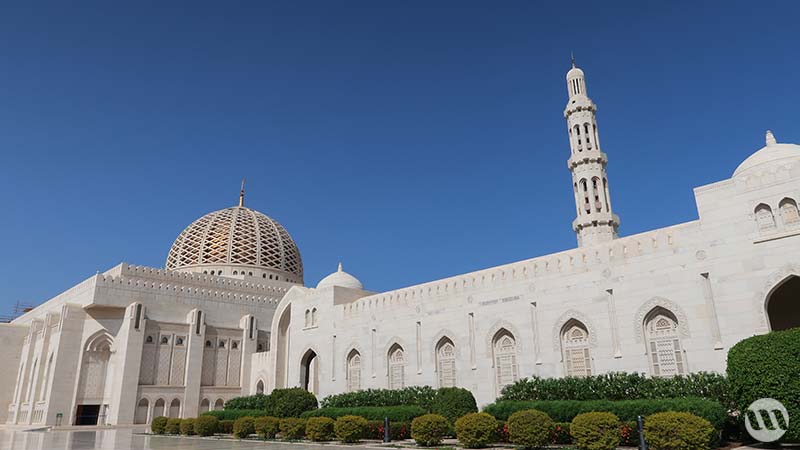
{"x":595,"y":221}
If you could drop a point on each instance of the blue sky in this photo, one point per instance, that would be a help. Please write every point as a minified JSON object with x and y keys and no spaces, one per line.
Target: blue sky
{"x":410,"y":140}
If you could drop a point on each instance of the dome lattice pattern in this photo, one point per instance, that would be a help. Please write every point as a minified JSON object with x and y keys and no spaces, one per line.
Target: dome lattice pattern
{"x":236,"y":235}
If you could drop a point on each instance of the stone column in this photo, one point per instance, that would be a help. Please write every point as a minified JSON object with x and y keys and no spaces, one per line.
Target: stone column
{"x":125,"y":383}
{"x":249,"y":325}
{"x":194,"y":362}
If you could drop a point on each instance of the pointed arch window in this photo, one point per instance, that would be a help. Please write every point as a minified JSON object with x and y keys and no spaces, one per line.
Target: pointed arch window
{"x":446,"y":363}
{"x":575,"y":349}
{"x":308,"y":318}
{"x":664,"y":344}
{"x":789,"y":213}
{"x":314,"y":317}
{"x":585,"y":190}
{"x":396,"y":367}
{"x":354,"y":371}
{"x":596,"y":194}
{"x":505,"y":359}
{"x":764,"y":218}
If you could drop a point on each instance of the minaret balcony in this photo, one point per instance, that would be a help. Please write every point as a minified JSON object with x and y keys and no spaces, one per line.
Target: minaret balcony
{"x":586,"y":157}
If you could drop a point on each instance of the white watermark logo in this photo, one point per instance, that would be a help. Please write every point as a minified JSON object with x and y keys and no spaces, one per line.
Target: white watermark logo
{"x":766,"y":408}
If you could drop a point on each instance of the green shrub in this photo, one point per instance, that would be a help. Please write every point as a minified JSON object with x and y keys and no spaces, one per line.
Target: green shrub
{"x":267,"y":427}
{"x":530,"y":429}
{"x":206,"y":425}
{"x":595,"y":431}
{"x":421,"y":396}
{"x":394,"y":413}
{"x":398,"y":431}
{"x":502,"y":431}
{"x":187,"y":427}
{"x":258,"y":401}
{"x":243,"y":427}
{"x":320,"y":429}
{"x":225,"y":426}
{"x":620,"y":386}
{"x":173,"y":426}
{"x":766,"y":366}
{"x":158,"y":425}
{"x":290,"y":402}
{"x":678,"y":431}
{"x":429,"y":429}
{"x":476,"y":430}
{"x":292,"y":428}
{"x":560,"y":434}
{"x":453,"y":403}
{"x":626,"y":410}
{"x":233,"y":414}
{"x":350,"y":429}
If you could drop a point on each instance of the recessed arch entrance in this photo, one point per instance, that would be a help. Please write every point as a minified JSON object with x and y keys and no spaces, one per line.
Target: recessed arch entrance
{"x":783,"y":304}
{"x":309,"y":371}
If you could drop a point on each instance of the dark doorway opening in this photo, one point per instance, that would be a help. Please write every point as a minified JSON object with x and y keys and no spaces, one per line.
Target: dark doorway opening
{"x":308,"y":371}
{"x":783,"y":305}
{"x":87,"y":414}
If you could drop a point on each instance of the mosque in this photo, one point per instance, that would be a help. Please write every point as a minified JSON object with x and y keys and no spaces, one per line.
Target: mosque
{"x":230,"y":314}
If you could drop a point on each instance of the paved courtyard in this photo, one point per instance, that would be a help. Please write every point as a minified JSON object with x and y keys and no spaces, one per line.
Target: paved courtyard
{"x":126,"y":439}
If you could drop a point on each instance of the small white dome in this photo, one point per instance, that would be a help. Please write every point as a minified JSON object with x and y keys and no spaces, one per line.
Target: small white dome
{"x":574,"y":72}
{"x":772,"y":153}
{"x":340,"y":278}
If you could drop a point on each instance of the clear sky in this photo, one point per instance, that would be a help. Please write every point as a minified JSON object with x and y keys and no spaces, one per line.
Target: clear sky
{"x":410,"y":140}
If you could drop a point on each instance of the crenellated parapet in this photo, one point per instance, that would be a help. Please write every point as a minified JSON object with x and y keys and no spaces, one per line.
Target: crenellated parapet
{"x":576,"y":261}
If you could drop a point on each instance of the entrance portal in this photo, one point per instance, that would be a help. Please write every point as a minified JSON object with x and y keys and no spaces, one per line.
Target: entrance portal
{"x":308,"y":372}
{"x":783,"y":305}
{"x":87,"y":414}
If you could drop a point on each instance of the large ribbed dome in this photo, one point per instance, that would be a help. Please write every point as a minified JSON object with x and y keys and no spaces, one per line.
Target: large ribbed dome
{"x":237,"y":236}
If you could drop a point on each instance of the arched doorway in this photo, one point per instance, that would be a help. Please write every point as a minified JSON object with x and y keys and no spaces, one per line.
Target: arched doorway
{"x":219,"y":404}
{"x":309,"y":375}
{"x":260,"y":387}
{"x":159,"y":408}
{"x":282,"y":352}
{"x":140,"y":416}
{"x":783,"y":305}
{"x":175,"y":409}
{"x":205,"y":405}
{"x":90,"y":399}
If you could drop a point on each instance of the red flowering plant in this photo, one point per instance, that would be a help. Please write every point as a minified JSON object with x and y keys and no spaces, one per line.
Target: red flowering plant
{"x":560,"y":434}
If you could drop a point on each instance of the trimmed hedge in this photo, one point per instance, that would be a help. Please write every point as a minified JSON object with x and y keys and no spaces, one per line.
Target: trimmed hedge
{"x":257,"y":401}
{"x":187,"y":427}
{"x":621,"y":386}
{"x":280,"y":403}
{"x":767,"y":366}
{"x":626,"y":410}
{"x":206,"y":425}
{"x":158,"y":425}
{"x":225,"y":427}
{"x":476,"y":430}
{"x":267,"y":427}
{"x":173,"y":426}
{"x":421,"y":396}
{"x":530,"y":429}
{"x":290,"y":402}
{"x":394,"y":413}
{"x":453,"y":403}
{"x":350,"y":429}
{"x":233,"y":414}
{"x":678,"y":431}
{"x":429,"y":429}
{"x":595,"y":431}
{"x":320,"y":429}
{"x":293,"y":428}
{"x":243,"y":427}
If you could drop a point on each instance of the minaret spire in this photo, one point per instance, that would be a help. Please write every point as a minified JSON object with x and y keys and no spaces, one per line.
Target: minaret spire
{"x":595,"y":222}
{"x":241,"y":195}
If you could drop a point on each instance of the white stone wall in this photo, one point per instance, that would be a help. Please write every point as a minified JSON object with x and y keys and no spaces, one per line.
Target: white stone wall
{"x":713,"y":274}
